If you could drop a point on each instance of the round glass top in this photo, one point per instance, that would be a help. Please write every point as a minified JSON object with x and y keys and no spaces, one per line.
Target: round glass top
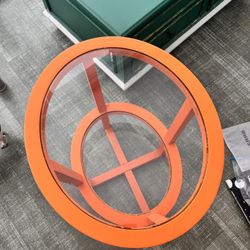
{"x":122,"y":158}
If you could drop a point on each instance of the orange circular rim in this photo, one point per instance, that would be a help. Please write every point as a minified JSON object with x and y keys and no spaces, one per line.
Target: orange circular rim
{"x":210,"y":130}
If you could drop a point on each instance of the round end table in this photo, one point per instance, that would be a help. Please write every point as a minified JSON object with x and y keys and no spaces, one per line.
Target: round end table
{"x":133,"y":168}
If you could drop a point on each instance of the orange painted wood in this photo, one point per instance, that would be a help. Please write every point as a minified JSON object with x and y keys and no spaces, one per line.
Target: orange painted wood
{"x":114,"y":172}
{"x":65,"y":174}
{"x":92,"y":77}
{"x":93,"y":81}
{"x":157,"y":218}
{"x":99,"y":229}
{"x":183,"y":116}
{"x":129,"y":174}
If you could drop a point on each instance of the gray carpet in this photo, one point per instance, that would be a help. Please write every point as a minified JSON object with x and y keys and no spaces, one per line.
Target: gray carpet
{"x":219,"y":54}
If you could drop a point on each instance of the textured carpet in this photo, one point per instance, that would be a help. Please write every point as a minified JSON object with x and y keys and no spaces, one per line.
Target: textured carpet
{"x":219,"y":54}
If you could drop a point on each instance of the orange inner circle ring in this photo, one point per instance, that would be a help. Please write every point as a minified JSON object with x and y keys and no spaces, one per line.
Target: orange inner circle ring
{"x":107,"y":212}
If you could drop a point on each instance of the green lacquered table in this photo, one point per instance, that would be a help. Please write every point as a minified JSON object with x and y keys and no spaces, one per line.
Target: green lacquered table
{"x":164,"y":23}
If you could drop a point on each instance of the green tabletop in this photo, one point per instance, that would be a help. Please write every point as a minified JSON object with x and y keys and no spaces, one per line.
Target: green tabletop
{"x":118,"y":15}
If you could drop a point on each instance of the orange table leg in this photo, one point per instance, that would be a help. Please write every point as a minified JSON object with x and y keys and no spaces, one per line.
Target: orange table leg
{"x":93,"y":81}
{"x":157,"y":218}
{"x":183,"y":116}
{"x":65,"y":174}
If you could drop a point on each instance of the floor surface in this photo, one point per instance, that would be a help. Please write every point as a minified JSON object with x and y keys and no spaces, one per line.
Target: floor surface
{"x":219,"y":55}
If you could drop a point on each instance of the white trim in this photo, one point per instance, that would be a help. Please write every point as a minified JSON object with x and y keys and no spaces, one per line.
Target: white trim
{"x":132,"y":80}
{"x":106,"y":70}
{"x":136,"y":77}
{"x":116,"y":79}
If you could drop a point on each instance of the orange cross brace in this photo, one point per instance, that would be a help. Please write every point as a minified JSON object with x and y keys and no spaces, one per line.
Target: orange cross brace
{"x":92,"y":77}
{"x":114,"y":172}
{"x":183,"y":116}
{"x":129,"y":174}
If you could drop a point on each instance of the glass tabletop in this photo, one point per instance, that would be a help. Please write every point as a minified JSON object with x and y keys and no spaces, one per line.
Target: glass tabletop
{"x":107,"y":147}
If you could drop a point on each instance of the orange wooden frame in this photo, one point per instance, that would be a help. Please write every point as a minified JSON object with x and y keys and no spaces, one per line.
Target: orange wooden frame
{"x":201,"y":106}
